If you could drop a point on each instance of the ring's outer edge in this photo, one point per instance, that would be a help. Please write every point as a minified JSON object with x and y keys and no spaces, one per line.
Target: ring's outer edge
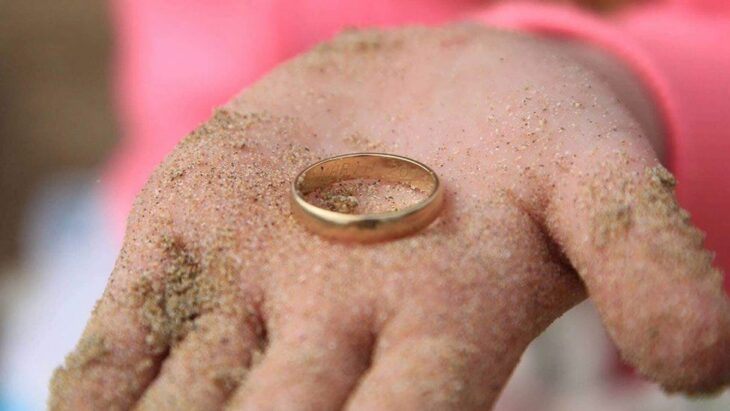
{"x":367,"y":227}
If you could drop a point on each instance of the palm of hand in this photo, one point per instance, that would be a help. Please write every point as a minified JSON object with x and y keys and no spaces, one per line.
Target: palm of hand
{"x":547,"y":177}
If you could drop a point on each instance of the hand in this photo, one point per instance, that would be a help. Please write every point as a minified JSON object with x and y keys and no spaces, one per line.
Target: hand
{"x":220,"y":298}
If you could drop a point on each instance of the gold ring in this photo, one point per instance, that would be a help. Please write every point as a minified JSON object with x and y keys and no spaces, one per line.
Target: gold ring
{"x":367,"y":227}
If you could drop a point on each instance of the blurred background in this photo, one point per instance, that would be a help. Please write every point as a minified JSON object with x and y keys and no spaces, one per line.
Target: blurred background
{"x":57,"y":127}
{"x":59,"y":116}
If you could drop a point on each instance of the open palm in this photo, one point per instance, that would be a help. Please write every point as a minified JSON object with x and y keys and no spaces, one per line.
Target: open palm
{"x":219,"y":299}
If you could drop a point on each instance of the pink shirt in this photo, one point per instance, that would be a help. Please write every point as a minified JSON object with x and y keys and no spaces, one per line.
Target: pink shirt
{"x":176,"y":61}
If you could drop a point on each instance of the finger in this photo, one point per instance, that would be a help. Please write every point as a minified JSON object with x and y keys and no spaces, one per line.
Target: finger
{"x":113,"y":361}
{"x":438,"y":358}
{"x":453,"y":344}
{"x":311,"y":364}
{"x":206,"y":366}
{"x":110,"y":366}
{"x":644,"y":265}
{"x":150,"y":301}
{"x":422,"y":365}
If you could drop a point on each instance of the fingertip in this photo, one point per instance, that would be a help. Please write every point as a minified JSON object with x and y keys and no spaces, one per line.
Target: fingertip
{"x":684,"y":346}
{"x":676,"y":334}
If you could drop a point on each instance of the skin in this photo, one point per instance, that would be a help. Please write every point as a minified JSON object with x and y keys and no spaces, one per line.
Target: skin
{"x":219,"y":299}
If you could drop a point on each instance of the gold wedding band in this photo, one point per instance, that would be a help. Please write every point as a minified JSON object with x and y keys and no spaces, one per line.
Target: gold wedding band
{"x":367,"y":227}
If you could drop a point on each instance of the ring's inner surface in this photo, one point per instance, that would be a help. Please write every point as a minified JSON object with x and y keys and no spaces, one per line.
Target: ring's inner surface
{"x":365,"y":184}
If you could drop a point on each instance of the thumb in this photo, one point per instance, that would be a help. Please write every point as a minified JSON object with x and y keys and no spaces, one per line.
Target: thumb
{"x":644,"y":266}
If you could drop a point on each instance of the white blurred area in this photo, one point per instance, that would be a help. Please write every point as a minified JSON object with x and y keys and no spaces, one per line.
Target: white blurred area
{"x":67,"y":255}
{"x":571,"y":367}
